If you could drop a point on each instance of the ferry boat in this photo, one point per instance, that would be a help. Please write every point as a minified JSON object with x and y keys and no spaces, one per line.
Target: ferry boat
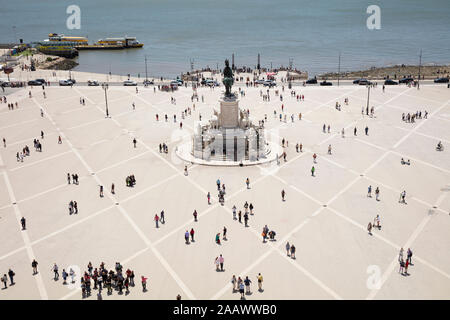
{"x":126,"y":42}
{"x":70,"y":40}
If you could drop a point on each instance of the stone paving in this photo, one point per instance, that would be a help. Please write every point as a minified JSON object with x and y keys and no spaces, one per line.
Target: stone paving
{"x":325,"y":216}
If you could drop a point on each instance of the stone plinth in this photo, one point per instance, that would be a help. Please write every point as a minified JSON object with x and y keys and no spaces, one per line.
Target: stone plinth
{"x":229,"y":112}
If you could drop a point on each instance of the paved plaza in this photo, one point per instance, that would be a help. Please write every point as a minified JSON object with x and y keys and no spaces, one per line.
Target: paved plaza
{"x":325,"y":216}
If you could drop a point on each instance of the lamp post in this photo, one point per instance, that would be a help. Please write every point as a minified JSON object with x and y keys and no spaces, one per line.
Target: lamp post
{"x":105,"y":88}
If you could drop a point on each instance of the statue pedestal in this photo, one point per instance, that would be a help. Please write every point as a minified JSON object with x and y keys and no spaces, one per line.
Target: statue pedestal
{"x":229,"y":112}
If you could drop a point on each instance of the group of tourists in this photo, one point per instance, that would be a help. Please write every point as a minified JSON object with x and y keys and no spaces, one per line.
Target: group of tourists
{"x":411,"y":117}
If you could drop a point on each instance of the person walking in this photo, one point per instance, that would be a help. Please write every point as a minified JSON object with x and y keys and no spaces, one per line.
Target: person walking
{"x":34,"y":265}
{"x":283,"y":194}
{"x":112,"y":189}
{"x":247,"y":182}
{"x":312,"y":171}
{"x":195,"y":215}
{"x":209,"y":197}
{"x":241,"y":290}
{"x":292,"y":251}
{"x":369,"y":228}
{"x":224,"y":237}
{"x":23,"y":223}
{"x":192,"y":234}
{"x":377,"y":194}
{"x":11,"y":275}
{"x":156,"y":220}
{"x":369,"y":192}
{"x":134,"y":142}
{"x":288,"y":248}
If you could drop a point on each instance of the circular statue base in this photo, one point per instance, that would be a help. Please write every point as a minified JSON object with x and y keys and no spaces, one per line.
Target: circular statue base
{"x":273,"y":153}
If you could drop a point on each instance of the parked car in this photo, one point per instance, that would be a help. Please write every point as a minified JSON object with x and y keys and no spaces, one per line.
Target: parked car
{"x":364,"y":82}
{"x":259,"y":81}
{"x":129,"y":83}
{"x":270,"y":83}
{"x":441,"y":80}
{"x":148,"y":82}
{"x":311,"y":81}
{"x":406,"y":80}
{"x":92,"y":83}
{"x":175,"y":83}
{"x":212,"y":83}
{"x":65,"y":82}
{"x":34,"y":83}
{"x":390,"y":82}
{"x":356,"y":81}
{"x":326,"y":83}
{"x":42,"y":81}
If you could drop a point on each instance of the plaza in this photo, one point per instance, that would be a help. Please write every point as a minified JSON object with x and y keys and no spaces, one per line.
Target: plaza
{"x":324,"y":215}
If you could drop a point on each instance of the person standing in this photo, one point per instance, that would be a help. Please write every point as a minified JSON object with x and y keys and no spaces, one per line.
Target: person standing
{"x":234,"y":283}
{"x":186,"y":237}
{"x":247,"y":282}
{"x":72,"y":275}
{"x":409,"y":254}
{"x":112,"y":189}
{"x":5,"y":281}
{"x":260,"y":281}
{"x":224,"y":237}
{"x":195,"y":215}
{"x":216,"y":262}
{"x":369,"y":228}
{"x":312,"y":171}
{"x":369,"y":192}
{"x":156,"y":220}
{"x":377,"y":194}
{"x":64,"y":276}
{"x":134,"y":142}
{"x":55,"y":271}
{"x":144,"y":283}
{"x":34,"y":265}
{"x":68,"y":178}
{"x":247,"y":182}
{"x":406,"y":267}
{"x":240,"y":216}
{"x":283,"y":193}
{"x":209,"y":197}
{"x":401,"y":266}
{"x":288,"y":248}
{"x":221,"y":261}
{"x":23,"y":223}
{"x":192,"y":234}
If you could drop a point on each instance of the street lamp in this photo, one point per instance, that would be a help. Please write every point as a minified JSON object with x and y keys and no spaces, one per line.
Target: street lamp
{"x":105,"y":88}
